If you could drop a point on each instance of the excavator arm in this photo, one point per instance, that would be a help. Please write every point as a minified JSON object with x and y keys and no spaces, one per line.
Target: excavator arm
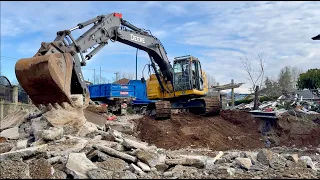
{"x":54,"y":72}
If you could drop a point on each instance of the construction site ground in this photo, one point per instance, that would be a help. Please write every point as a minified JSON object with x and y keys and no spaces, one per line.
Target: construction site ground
{"x":230,"y":145}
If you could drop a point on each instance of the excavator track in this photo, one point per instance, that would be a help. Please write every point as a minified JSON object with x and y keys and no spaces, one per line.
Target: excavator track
{"x":213,"y":106}
{"x":163,"y":110}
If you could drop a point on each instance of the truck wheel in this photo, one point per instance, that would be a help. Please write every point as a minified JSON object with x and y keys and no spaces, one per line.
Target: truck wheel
{"x":143,"y":110}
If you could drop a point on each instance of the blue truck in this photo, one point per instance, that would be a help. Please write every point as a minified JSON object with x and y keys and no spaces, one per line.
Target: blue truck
{"x":134,"y":94}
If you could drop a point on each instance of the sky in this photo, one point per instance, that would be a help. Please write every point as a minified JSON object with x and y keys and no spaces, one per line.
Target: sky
{"x":217,"y":33}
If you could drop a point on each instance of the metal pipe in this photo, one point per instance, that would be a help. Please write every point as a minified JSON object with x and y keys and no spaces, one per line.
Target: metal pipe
{"x":72,"y":29}
{"x":95,"y":51}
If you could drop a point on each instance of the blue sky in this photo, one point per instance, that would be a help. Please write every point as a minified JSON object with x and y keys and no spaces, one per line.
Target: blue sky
{"x":215,"y":32}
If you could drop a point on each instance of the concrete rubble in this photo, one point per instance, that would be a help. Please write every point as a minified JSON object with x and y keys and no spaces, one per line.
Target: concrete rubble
{"x":52,"y":150}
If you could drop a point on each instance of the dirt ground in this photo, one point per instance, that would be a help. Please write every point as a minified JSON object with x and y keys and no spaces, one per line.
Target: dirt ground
{"x":230,"y":130}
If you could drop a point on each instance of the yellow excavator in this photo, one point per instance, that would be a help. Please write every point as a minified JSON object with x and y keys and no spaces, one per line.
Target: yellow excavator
{"x":54,"y":72}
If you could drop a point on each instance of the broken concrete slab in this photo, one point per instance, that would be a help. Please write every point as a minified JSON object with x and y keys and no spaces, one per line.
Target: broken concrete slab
{"x":5,"y":147}
{"x":277,"y":161}
{"x":11,"y":133}
{"x":14,"y":169}
{"x":112,"y":164}
{"x":244,"y":163}
{"x":127,"y":128}
{"x":293,"y":157}
{"x":86,"y":129}
{"x":70,"y":145}
{"x":40,"y":169}
{"x":308,"y":161}
{"x":14,"y":119}
{"x":144,"y":166}
{"x":135,"y":169}
{"x":209,"y":163}
{"x":53,"y":133}
{"x":24,"y":152}
{"x":264,"y":156}
{"x":151,"y":159}
{"x":99,"y":174}
{"x":22,"y":144}
{"x":186,"y":162}
{"x":252,"y":156}
{"x":128,"y":143}
{"x":78,"y":165}
{"x":115,"y":153}
{"x":38,"y":125}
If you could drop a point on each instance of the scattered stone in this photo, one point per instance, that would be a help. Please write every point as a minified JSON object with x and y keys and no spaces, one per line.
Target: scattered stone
{"x":151,"y":159}
{"x":59,"y":174}
{"x":5,"y":147}
{"x":127,"y":128}
{"x":70,"y":145}
{"x":22,"y":144}
{"x":135,"y":169}
{"x":186,"y":162}
{"x":15,"y":119}
{"x":14,"y":169}
{"x":54,"y":160}
{"x":112,"y":164}
{"x":128,"y":143}
{"x":78,"y":165}
{"x":86,"y":129}
{"x":53,"y":133}
{"x":100,"y":174}
{"x":293,"y":157}
{"x":277,"y":161}
{"x":11,"y":133}
{"x":308,"y":161}
{"x":209,"y":163}
{"x":115,"y":133}
{"x":264,"y":156}
{"x":252,"y":156}
{"x":40,"y":169}
{"x":119,"y":147}
{"x":27,"y":152}
{"x":38,"y":125}
{"x":144,"y":166}
{"x":115,"y":153}
{"x":161,"y":167}
{"x":98,"y":137}
{"x":244,"y":163}
{"x":124,"y":175}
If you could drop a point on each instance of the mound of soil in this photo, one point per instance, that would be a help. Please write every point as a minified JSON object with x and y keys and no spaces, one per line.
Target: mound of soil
{"x":230,"y":130}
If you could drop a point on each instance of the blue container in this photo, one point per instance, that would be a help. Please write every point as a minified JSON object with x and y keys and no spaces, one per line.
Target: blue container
{"x":111,"y":91}
{"x":140,"y":92}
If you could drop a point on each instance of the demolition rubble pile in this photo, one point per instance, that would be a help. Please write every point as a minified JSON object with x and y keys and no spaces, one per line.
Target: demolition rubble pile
{"x":61,"y":144}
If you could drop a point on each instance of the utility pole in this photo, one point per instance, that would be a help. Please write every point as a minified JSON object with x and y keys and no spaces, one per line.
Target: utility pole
{"x":116,"y":73}
{"x":137,"y":64}
{"x":94,"y":76}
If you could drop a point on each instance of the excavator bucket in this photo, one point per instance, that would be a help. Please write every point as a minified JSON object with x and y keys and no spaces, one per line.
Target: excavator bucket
{"x":46,"y":79}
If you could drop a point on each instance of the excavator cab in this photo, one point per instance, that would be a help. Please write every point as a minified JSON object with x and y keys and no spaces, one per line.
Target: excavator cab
{"x":187,"y":73}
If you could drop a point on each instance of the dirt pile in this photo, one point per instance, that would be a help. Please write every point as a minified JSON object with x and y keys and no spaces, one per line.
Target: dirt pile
{"x":233,"y":129}
{"x":230,"y":130}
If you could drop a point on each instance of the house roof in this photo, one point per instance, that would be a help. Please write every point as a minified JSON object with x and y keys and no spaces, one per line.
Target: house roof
{"x":306,"y":94}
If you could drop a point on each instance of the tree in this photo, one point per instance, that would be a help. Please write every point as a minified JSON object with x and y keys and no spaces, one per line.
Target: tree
{"x":295,"y":73}
{"x":285,"y":79}
{"x":98,"y":80}
{"x":310,"y":80}
{"x":271,"y":88}
{"x":254,"y":75}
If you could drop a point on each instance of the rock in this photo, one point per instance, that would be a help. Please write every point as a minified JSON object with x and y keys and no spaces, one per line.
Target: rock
{"x":38,"y":142}
{"x":14,"y":119}
{"x":264,"y":156}
{"x":168,"y":174}
{"x":151,"y":159}
{"x":78,"y":165}
{"x":53,"y":133}
{"x":11,"y":133}
{"x":40,"y":169}
{"x":277,"y":161}
{"x":86,"y":129}
{"x":244,"y":163}
{"x":135,"y":169}
{"x":127,"y":128}
{"x":98,"y":137}
{"x":59,"y":174}
{"x":14,"y":169}
{"x":100,"y":174}
{"x":144,"y":166}
{"x":25,"y":130}
{"x":38,"y":125}
{"x":112,"y":164}
{"x":209,"y":163}
{"x":161,"y":167}
{"x":180,"y":171}
{"x":252,"y":156}
{"x":124,"y":175}
{"x":128,"y":143}
{"x":258,"y":167}
{"x":22,"y":144}
{"x":70,"y":145}
{"x":115,"y":133}
{"x":308,"y":161}
{"x":293,"y":157}
{"x":5,"y":147}
{"x":186,"y":162}
{"x":54,"y":160}
{"x":115,"y":153}
{"x":27,"y":152}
